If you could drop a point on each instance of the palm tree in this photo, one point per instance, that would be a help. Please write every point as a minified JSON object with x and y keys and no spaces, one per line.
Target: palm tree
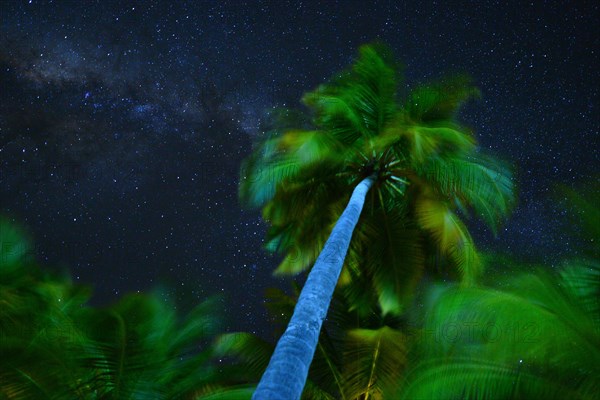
{"x":410,"y":165}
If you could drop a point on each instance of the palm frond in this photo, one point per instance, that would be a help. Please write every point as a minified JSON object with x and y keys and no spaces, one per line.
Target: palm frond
{"x":314,"y":392}
{"x":15,"y":248}
{"x":485,"y":185}
{"x":451,"y":235}
{"x":262,"y":172}
{"x":439,"y":101}
{"x":535,"y":329}
{"x":251,"y":353}
{"x":431,"y":142}
{"x":373,"y":359}
{"x":243,"y":392}
{"x":201,"y":323}
{"x":139,"y":347}
{"x":582,"y":279}
{"x":360,"y":102}
{"x":387,"y":251}
{"x":336,"y":115}
{"x":479,"y":380}
{"x":301,"y":223}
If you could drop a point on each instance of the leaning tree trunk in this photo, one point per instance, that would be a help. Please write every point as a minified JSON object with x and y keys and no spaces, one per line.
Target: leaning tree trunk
{"x":286,"y":373}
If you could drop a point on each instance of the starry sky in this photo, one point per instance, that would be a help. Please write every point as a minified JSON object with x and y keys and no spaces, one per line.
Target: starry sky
{"x":123,"y":124}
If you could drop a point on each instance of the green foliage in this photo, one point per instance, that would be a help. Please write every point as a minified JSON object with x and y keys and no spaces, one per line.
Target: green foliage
{"x":39,"y":341}
{"x":475,"y":185}
{"x":375,"y":358}
{"x":53,"y":345}
{"x":141,"y":347}
{"x":384,"y":239}
{"x":537,"y":336}
{"x":430,"y":173}
{"x":526,"y":335}
{"x":358,"y":103}
{"x":583,"y":205}
{"x":439,"y":101}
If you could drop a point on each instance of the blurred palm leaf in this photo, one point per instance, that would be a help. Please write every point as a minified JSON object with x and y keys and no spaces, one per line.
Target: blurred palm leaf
{"x":40,"y":337}
{"x":582,"y":205}
{"x":387,"y":259}
{"x":484,"y":185}
{"x":441,"y":100}
{"x":536,"y":337}
{"x":451,"y":235}
{"x":480,"y":380}
{"x":144,"y":349}
{"x":374,"y":359}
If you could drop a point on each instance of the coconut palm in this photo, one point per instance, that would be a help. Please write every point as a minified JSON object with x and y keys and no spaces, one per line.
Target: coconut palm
{"x":409,"y":164}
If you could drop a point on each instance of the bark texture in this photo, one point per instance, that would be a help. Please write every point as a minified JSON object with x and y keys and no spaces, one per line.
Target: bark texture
{"x":286,"y":374}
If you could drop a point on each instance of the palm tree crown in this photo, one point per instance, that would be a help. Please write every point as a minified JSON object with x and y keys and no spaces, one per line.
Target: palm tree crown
{"x":427,"y":168}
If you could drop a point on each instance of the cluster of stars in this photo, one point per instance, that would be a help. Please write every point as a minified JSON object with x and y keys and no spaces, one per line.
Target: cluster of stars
{"x":123,"y":127}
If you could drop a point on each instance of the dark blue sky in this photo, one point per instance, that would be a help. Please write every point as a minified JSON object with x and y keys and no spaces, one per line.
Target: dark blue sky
{"x":122,"y":124}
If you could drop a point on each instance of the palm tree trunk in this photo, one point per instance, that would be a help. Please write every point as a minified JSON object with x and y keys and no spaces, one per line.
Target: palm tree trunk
{"x":286,"y":373}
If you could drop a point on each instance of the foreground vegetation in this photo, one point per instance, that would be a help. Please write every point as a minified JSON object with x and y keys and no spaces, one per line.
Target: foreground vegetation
{"x":531,"y":334}
{"x":53,"y":345}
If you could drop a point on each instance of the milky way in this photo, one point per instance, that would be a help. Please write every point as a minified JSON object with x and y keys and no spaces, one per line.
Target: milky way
{"x":122,"y":124}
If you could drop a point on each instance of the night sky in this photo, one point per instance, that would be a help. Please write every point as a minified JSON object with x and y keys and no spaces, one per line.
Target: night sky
{"x":123,"y":124}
